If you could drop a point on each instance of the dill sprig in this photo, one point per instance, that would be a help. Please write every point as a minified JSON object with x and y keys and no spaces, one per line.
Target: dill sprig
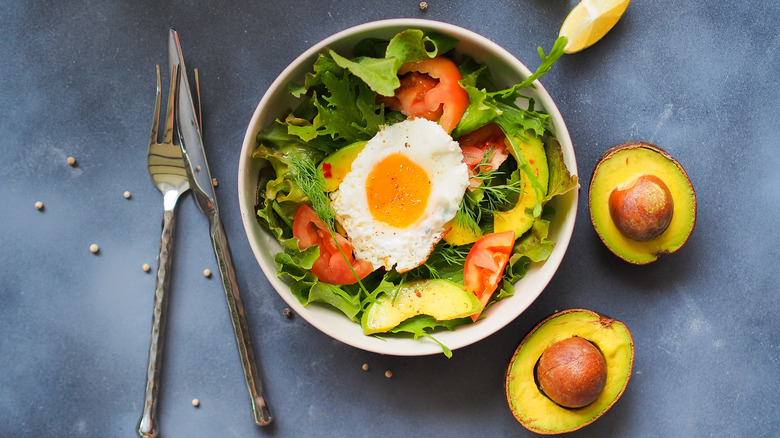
{"x":468,"y":215}
{"x":312,"y":184}
{"x":451,"y":255}
{"x":489,"y":196}
{"x":498,"y":196}
{"x":443,"y":256}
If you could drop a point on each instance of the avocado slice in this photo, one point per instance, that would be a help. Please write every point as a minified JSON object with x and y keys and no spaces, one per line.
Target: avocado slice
{"x":439,"y":298}
{"x":636,"y":167}
{"x":520,"y":218}
{"x":531,"y":406}
{"x":338,"y":164}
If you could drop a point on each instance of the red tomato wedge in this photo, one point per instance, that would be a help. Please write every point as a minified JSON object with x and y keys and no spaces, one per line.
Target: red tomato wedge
{"x":474,"y":145}
{"x":330,"y":267}
{"x":485,"y":264}
{"x":430,"y":89}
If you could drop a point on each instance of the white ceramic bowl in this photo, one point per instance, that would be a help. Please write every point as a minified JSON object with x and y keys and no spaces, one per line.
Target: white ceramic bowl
{"x":506,"y":71}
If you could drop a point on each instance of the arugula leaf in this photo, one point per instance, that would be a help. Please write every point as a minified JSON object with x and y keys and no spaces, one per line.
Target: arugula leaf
{"x":486,"y":106}
{"x":526,"y":120}
{"x":547,"y":62}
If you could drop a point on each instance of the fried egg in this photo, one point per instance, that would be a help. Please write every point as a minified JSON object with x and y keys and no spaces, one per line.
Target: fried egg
{"x":403,"y":187}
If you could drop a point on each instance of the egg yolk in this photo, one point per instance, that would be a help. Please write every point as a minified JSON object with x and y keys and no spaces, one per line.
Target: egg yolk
{"x":398,"y":191}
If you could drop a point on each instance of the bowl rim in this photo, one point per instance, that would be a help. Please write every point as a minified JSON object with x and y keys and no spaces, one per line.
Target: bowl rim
{"x":464,"y":335}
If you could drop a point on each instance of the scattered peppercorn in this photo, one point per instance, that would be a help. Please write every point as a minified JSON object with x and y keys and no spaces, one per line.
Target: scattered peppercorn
{"x":388,"y":374}
{"x":127,"y":194}
{"x":366,"y":367}
{"x":39,"y":205}
{"x":287,"y":313}
{"x":72,"y":161}
{"x":207,"y":273}
{"x":195,"y":402}
{"x":94,"y":248}
{"x":423,"y":6}
{"x":146,"y":267}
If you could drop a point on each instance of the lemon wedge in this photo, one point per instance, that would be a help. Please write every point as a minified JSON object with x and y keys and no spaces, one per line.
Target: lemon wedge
{"x":589,"y":21}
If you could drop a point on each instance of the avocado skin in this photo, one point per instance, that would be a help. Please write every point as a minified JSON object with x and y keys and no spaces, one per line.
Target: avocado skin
{"x":650,"y":159}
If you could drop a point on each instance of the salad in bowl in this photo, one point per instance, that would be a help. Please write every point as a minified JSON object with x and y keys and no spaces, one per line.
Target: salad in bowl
{"x":408,"y":186}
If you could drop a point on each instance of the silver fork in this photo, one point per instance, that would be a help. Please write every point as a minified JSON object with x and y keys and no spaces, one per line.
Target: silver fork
{"x":166,"y":168}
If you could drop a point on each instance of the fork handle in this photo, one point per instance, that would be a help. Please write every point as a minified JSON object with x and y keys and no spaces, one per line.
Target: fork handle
{"x":260,"y":411}
{"x":147,"y":426}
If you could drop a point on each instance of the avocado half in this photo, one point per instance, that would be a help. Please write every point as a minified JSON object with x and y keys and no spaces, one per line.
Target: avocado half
{"x":531,"y":406}
{"x":618,"y":170}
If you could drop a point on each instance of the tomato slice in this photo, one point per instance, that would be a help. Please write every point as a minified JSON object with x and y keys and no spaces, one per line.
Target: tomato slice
{"x":430,"y":89}
{"x":489,"y":139}
{"x":330,"y":266}
{"x":485,"y":264}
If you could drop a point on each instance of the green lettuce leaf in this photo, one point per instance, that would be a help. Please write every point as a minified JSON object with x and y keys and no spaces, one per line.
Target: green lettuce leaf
{"x":378,"y":73}
{"x":349,"y":110}
{"x":323,"y":64}
{"x":294,"y":266}
{"x":482,"y":109}
{"x":413,"y":45}
{"x":277,"y":147}
{"x":534,"y":244}
{"x":381,"y":73}
{"x":561,"y":181}
{"x":421,"y":325}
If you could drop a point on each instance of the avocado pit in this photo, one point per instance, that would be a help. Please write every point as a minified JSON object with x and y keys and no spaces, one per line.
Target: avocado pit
{"x":572,"y":372}
{"x":642,"y":208}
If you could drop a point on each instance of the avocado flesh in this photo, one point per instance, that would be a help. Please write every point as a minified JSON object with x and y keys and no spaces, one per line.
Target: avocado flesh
{"x":460,"y":234}
{"x":625,"y":165}
{"x":340,"y":163}
{"x":439,"y":298}
{"x":520,"y":218}
{"x":535,"y":410}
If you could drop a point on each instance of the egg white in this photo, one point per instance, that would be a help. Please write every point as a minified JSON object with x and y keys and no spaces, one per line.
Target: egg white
{"x":426,"y":144}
